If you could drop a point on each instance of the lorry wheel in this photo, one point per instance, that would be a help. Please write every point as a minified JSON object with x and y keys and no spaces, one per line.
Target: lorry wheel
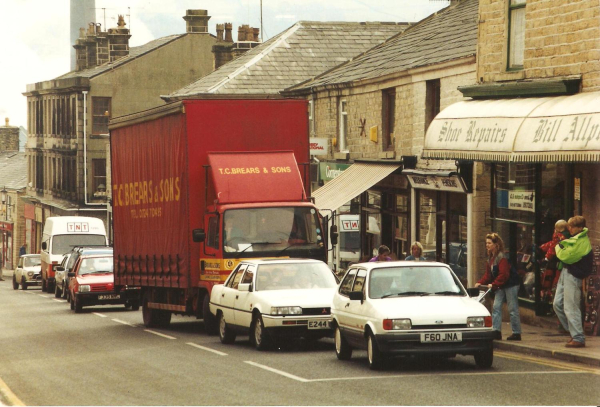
{"x":23,"y":284}
{"x":135,"y":305}
{"x":226,"y":334}
{"x":50,"y":287}
{"x":44,"y":286}
{"x":15,"y":284}
{"x":71,"y":302}
{"x":210,"y":322}
{"x":154,"y":318}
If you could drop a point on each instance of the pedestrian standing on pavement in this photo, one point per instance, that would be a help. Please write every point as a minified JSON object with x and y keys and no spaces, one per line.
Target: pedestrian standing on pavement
{"x":504,"y":284}
{"x":23,"y":250}
{"x":416,"y":252}
{"x":577,"y":258}
{"x":383,"y":254}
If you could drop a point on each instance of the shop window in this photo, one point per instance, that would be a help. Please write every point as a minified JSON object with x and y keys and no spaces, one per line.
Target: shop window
{"x":388,"y":115}
{"x":100,"y":115}
{"x":373,"y":199}
{"x":516,"y":34}
{"x":427,"y":223}
{"x":514,"y":192}
{"x":554,"y":189}
{"x":343,"y":128}
{"x":432,"y":101}
{"x":401,"y":225}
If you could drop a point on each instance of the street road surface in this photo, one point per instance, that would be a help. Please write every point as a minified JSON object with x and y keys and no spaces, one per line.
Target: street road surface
{"x":105,"y":356}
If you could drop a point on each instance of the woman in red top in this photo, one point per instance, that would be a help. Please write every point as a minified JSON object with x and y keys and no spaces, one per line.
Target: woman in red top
{"x":505,"y":286}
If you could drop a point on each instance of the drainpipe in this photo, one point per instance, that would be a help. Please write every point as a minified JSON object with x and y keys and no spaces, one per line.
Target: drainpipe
{"x":85,"y":162}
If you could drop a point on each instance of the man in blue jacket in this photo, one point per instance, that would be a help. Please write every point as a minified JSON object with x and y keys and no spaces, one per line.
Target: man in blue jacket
{"x":576,"y":255}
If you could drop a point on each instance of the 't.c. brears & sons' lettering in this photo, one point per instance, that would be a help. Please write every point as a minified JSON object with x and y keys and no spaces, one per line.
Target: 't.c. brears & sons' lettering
{"x":147,"y":192}
{"x":253,"y":170}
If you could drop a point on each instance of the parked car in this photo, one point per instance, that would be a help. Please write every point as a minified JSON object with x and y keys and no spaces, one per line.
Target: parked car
{"x":92,"y":282}
{"x":272,"y":299}
{"x":28,"y":271}
{"x":69,"y":259}
{"x":409,"y":308}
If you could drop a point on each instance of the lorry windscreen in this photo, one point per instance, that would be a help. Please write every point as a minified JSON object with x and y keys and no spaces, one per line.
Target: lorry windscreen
{"x":271,"y":229}
{"x":62,"y":244}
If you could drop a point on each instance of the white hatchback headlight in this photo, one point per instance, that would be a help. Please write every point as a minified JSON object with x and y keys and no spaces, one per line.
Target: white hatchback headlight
{"x":84,"y":288}
{"x":393,"y":324}
{"x":286,"y":311}
{"x":30,"y":273}
{"x":478,"y":322}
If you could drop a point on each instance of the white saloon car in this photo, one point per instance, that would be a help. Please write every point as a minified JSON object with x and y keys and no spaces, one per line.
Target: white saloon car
{"x":28,"y":271}
{"x":409,"y":308}
{"x":270,"y":299}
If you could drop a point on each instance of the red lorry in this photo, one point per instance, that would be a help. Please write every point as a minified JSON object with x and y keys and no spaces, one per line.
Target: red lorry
{"x":198,"y":186}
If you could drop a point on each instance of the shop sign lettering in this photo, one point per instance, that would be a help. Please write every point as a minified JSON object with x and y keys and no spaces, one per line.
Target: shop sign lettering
{"x":474,"y":133}
{"x":581,"y":129}
{"x":521,"y":201}
{"x":434,"y":182}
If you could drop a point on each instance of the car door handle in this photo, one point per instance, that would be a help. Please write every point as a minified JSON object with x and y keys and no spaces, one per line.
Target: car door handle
{"x":347,"y":305}
{"x":222,"y":295}
{"x":237,"y":296}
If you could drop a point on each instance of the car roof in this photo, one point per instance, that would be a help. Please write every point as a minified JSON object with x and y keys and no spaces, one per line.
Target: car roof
{"x":280,"y":261}
{"x":30,"y":255}
{"x":94,"y":255}
{"x":398,"y":263}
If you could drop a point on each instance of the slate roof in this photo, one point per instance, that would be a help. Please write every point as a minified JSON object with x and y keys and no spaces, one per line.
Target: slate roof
{"x":134,"y":52}
{"x":443,"y":36}
{"x":13,"y":170}
{"x":302,"y":51}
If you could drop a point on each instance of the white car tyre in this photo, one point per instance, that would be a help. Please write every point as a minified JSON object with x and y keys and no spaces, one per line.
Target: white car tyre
{"x":343,"y":350}
{"x":258,"y":334}
{"x":375,"y":356}
{"x":226,"y":335}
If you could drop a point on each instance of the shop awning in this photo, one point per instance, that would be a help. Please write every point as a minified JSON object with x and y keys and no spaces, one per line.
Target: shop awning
{"x":549,"y":129}
{"x":352,"y":182}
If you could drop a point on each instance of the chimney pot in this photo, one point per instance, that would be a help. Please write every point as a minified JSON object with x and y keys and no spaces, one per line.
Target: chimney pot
{"x":228,"y":36}
{"x":6,"y":120}
{"x":220,"y":29}
{"x":256,"y":32}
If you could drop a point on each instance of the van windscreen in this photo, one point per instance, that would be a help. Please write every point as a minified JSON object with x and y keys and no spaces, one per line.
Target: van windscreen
{"x":62,"y":244}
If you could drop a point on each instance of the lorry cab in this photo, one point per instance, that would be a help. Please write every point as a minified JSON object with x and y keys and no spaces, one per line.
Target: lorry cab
{"x":61,"y":234}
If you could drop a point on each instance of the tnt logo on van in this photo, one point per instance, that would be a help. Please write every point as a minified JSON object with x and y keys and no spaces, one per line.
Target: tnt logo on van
{"x":75,"y":227}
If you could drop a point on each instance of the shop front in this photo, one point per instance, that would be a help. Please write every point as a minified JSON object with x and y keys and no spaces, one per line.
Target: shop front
{"x":6,"y":245}
{"x":541,"y":160}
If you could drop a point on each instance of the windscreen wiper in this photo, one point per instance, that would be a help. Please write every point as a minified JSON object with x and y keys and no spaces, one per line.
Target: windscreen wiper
{"x":406,"y":293}
{"x":251,"y":244}
{"x":448,"y":293}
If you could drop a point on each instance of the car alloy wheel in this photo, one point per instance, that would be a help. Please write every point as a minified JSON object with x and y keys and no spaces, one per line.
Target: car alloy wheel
{"x":261,"y":341}
{"x":226,"y":335}
{"x":343,"y":351}
{"x":374,"y":354}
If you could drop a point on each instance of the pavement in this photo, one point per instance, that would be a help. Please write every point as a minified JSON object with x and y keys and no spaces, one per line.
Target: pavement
{"x":540,"y":338}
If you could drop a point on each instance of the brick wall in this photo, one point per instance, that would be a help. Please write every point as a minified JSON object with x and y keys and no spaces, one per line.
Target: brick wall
{"x":561,"y":39}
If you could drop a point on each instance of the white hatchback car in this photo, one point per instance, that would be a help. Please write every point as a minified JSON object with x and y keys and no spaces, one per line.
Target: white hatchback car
{"x":28,"y":271}
{"x":278,"y":298}
{"x":409,"y":308}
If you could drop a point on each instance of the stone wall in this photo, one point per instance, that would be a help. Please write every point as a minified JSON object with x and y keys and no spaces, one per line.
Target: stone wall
{"x":9,"y":138}
{"x":561,"y":39}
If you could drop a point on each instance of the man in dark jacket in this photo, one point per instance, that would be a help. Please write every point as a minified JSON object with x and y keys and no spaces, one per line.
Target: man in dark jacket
{"x":577,"y":257}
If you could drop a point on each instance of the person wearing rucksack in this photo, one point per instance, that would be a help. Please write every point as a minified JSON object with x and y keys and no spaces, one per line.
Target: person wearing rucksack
{"x":505,"y":283}
{"x":577,"y":258}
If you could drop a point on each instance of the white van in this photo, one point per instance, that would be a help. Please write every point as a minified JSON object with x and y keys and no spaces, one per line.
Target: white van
{"x":61,"y":233}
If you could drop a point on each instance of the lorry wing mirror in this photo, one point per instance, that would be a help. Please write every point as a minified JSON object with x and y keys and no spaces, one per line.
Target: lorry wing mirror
{"x":44,"y":246}
{"x":333,"y":234}
{"x":198,"y":235}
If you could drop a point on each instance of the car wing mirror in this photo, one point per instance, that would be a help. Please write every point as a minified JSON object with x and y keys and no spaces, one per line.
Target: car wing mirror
{"x":473,"y":292}
{"x":71,"y":274}
{"x":245,"y":287}
{"x":356,"y":295}
{"x":59,"y":268}
{"x":198,"y":235}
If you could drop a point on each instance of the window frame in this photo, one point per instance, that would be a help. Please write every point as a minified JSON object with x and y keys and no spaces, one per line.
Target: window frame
{"x":388,"y":118}
{"x":351,"y":274}
{"x":512,"y":7}
{"x":343,"y":125}
{"x":95,"y":115}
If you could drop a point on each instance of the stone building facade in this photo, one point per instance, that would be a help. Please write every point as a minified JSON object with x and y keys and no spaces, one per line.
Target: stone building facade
{"x":538,"y":80}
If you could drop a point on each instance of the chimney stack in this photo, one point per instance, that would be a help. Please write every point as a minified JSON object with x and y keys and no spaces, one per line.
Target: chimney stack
{"x":9,"y":137}
{"x":220,"y":29}
{"x":196,"y":21}
{"x":118,"y":41}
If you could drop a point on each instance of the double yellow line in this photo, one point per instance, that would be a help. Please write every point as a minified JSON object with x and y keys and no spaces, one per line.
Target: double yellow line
{"x":542,"y":361}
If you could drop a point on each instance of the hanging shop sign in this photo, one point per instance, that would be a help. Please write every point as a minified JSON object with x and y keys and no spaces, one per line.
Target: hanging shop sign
{"x":319,"y":146}
{"x":329,"y":171}
{"x":515,"y":200}
{"x":5,"y":226}
{"x":452,"y":183}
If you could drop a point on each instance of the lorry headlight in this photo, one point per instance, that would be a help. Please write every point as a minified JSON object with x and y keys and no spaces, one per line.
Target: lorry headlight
{"x":84,"y":288}
{"x":286,"y":311}
{"x":479,"y":322}
{"x":392,"y":324}
{"x":30,"y":274}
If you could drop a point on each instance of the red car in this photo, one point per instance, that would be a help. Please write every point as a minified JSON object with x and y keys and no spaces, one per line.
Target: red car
{"x":92,"y":282}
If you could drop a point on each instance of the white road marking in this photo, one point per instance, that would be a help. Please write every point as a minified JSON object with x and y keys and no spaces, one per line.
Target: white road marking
{"x":279,"y":372}
{"x":54,"y":299}
{"x":159,"y":334}
{"x":124,"y":323}
{"x":28,"y":292}
{"x":98,"y":314}
{"x":207,"y":349}
{"x":45,"y":296}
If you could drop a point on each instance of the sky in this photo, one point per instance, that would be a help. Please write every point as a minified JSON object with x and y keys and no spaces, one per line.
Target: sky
{"x":35,"y":44}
